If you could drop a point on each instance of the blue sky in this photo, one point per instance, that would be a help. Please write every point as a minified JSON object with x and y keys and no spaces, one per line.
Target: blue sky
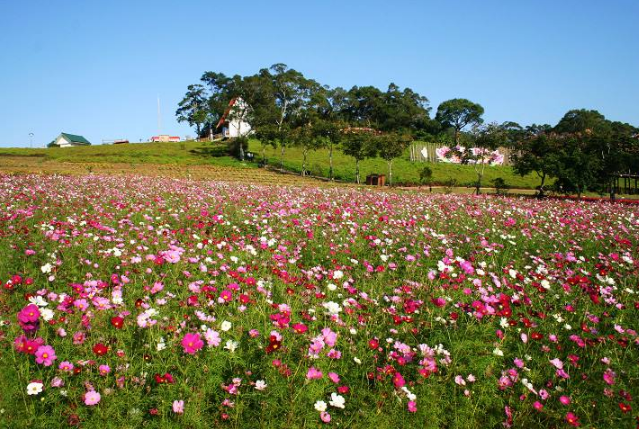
{"x":96,"y":68}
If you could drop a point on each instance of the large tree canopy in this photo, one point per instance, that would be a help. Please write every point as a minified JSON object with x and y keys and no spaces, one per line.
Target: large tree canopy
{"x":459,"y":113}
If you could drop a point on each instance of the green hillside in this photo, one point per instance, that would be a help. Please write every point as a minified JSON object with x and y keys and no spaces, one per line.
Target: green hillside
{"x":216,"y":154}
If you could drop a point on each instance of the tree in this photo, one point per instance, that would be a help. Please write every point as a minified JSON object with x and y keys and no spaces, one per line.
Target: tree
{"x":193,"y":107}
{"x":581,"y":121}
{"x":331,"y":133}
{"x":537,"y":153}
{"x":487,"y":139}
{"x":575,"y":166}
{"x":459,"y":113}
{"x":359,"y":145}
{"x":391,"y":146}
{"x":290,"y":90}
{"x":305,"y":138}
{"x":331,"y":105}
{"x":426,"y":177}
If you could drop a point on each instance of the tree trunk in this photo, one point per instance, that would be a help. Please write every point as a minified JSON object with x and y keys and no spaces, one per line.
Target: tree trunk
{"x":390,"y":172}
{"x":239,"y":136}
{"x":330,"y":162}
{"x":357,"y":171}
{"x":304,"y":153}
{"x":541,"y":186}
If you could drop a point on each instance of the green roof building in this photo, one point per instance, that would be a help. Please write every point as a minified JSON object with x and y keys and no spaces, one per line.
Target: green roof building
{"x":69,"y":140}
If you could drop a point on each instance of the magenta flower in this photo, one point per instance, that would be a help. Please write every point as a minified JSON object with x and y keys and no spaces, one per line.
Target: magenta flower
{"x":192,"y":343}
{"x":45,"y":355}
{"x":412,"y":406}
{"x":91,"y":398}
{"x":29,"y":314}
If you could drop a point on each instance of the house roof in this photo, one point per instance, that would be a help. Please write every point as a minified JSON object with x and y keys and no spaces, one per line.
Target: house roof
{"x":75,"y":138}
{"x":226,"y":112}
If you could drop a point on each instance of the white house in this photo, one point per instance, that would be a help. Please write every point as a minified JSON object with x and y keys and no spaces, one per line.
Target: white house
{"x":233,"y":122}
{"x":69,"y":140}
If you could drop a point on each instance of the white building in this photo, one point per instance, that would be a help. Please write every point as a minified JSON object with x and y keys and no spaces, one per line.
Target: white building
{"x":232,"y":123}
{"x":69,"y":140}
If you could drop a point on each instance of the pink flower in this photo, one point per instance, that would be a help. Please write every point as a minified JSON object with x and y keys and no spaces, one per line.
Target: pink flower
{"x":565,"y":400}
{"x":538,"y":406}
{"x":609,"y":376}
{"x":314,"y":374}
{"x":334,"y":377}
{"x":92,"y":397}
{"x":66,"y":366}
{"x":212,"y":338}
{"x":104,"y":370}
{"x":178,"y":406}
{"x":192,"y":343}
{"x":45,"y":355}
{"x":412,"y":406}
{"x":326,"y":417}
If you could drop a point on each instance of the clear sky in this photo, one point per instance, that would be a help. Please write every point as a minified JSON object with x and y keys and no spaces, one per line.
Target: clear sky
{"x":96,"y":68}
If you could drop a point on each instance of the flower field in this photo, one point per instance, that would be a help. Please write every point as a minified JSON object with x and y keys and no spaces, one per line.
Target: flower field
{"x":153,"y":302}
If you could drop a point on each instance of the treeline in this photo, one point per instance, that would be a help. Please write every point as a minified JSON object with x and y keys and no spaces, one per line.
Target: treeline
{"x":584,"y":151}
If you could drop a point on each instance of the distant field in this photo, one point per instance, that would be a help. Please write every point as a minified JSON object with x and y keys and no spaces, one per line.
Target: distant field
{"x":192,"y":153}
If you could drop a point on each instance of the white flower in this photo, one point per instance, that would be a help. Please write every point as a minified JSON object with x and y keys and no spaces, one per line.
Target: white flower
{"x":38,"y":300}
{"x":34,"y":388}
{"x":231,"y":345}
{"x":498,"y":352}
{"x":226,"y":325}
{"x":260,"y":385}
{"x":503,"y":322}
{"x":332,"y":308}
{"x":46,"y":314}
{"x":320,"y":406}
{"x":337,"y":401}
{"x":357,"y":360}
{"x":337,"y":274}
{"x":161,"y":345}
{"x":46,"y":269}
{"x":331,"y":287}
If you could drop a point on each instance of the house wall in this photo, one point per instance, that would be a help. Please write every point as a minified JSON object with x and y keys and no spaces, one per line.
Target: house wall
{"x":62,"y":142}
{"x":237,"y":128}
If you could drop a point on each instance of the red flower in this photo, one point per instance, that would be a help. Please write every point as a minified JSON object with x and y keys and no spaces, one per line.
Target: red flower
{"x":117,"y":322}
{"x":572,"y":419}
{"x":273,"y":344}
{"x":100,"y":349}
{"x":625,"y":408}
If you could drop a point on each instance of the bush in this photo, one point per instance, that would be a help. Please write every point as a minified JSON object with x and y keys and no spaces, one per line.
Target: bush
{"x":449,"y":184}
{"x":500,"y":185}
